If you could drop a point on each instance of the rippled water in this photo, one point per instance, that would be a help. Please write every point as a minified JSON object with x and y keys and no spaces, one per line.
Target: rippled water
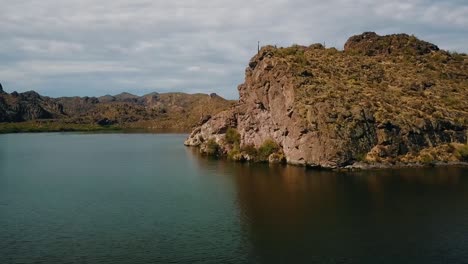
{"x":145,"y":198}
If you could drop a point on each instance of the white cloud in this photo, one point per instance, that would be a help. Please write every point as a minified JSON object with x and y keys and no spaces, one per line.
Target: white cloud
{"x":194,"y":68}
{"x":46,"y":68}
{"x":46,"y":46}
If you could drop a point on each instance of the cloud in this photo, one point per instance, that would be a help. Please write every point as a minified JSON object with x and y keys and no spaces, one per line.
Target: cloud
{"x":88,"y":47}
{"x":49,"y":46}
{"x":47,"y":68}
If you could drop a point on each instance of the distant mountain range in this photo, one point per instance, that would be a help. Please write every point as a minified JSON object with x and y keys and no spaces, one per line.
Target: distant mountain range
{"x":151,"y":111}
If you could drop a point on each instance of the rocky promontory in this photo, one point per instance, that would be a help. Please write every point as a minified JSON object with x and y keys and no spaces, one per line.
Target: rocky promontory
{"x":383,"y":99}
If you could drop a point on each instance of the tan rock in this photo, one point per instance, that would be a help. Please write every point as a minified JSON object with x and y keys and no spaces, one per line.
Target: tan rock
{"x":329,"y":108}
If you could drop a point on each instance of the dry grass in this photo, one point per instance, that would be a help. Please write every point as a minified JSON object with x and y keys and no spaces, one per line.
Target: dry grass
{"x":399,"y":88}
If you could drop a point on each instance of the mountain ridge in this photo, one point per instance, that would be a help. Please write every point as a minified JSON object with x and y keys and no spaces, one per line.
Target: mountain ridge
{"x":151,"y":111}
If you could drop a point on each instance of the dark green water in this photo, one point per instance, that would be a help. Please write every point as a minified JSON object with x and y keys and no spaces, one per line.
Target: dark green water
{"x":145,"y":198}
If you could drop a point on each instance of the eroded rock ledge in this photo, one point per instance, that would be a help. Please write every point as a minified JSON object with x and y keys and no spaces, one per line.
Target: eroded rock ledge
{"x":383,"y":99}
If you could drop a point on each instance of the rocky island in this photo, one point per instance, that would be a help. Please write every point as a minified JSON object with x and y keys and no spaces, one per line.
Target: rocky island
{"x":389,"y":100}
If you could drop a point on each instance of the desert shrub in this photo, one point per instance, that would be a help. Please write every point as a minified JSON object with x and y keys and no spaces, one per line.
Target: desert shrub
{"x":451,"y":148}
{"x":300,"y":57}
{"x":232,"y":137}
{"x":450,"y":100}
{"x":211,"y":148}
{"x":267,"y":148}
{"x":249,"y":149}
{"x":277,"y":158}
{"x":463,"y":152}
{"x":294,"y":50}
{"x":427,"y":159}
{"x":234,"y":152}
{"x":361,"y":157}
{"x":457,"y":56}
{"x":283,"y":52}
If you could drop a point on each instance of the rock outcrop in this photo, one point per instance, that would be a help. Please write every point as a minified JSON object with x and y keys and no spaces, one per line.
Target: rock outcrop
{"x":369,"y":43}
{"x":30,"y":105}
{"x":381,"y":99}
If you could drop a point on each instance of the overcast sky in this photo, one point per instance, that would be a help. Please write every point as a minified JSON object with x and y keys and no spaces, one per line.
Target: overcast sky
{"x":90,"y":47}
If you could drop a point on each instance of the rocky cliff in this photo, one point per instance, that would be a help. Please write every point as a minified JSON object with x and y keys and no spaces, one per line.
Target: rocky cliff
{"x":27,"y":106}
{"x":382,"y":99}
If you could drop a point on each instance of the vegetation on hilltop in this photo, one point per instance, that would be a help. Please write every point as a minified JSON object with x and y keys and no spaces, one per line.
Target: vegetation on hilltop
{"x":384,"y":99}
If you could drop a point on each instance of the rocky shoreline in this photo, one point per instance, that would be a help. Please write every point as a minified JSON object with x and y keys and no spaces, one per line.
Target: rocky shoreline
{"x":245,"y":158}
{"x":376,"y":166}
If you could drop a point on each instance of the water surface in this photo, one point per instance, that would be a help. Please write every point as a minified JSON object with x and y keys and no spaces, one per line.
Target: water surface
{"x":145,"y":198}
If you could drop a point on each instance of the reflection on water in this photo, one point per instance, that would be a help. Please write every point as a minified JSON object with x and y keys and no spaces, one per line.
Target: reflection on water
{"x":144,"y":198}
{"x":293,"y":214}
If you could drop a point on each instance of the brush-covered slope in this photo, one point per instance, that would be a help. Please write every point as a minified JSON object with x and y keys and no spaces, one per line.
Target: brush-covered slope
{"x":155,"y":111}
{"x":383,"y":98}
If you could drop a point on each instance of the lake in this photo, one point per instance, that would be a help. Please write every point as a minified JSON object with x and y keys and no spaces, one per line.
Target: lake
{"x":145,"y":198}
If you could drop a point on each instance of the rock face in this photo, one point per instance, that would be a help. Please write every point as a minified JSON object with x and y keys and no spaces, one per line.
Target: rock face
{"x":168,"y":111}
{"x":27,"y":106}
{"x":369,"y":43}
{"x":379,"y":99}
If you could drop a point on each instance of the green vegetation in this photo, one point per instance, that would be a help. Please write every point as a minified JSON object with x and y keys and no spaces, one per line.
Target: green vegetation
{"x":458,"y":56}
{"x":453,"y":152}
{"x":296,"y":53}
{"x":361,"y":157}
{"x":212,"y":148}
{"x":266,"y":149}
{"x":277,"y":157}
{"x":51,"y":126}
{"x":427,"y":159}
{"x":234,"y":153}
{"x":463,"y":152}
{"x":232,"y":137}
{"x":249,"y":149}
{"x":262,"y":154}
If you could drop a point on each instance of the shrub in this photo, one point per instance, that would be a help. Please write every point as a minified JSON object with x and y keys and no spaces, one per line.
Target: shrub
{"x":267,"y":148}
{"x":457,"y":56}
{"x":463,"y":152}
{"x":300,"y":58}
{"x":211,"y":148}
{"x":277,"y":158}
{"x":427,"y":159}
{"x":249,"y":150}
{"x":233,"y":153}
{"x":232,"y":137}
{"x":361,"y":157}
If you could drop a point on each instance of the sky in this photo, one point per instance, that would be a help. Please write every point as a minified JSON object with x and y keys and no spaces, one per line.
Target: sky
{"x":93,"y":48}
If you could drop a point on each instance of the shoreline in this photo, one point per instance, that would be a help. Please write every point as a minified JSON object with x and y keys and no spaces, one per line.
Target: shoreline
{"x":358,"y":166}
{"x":23,"y":128}
{"x":13,"y":129}
{"x":99,"y":131}
{"x":53,"y":127}
{"x":400,"y":165}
